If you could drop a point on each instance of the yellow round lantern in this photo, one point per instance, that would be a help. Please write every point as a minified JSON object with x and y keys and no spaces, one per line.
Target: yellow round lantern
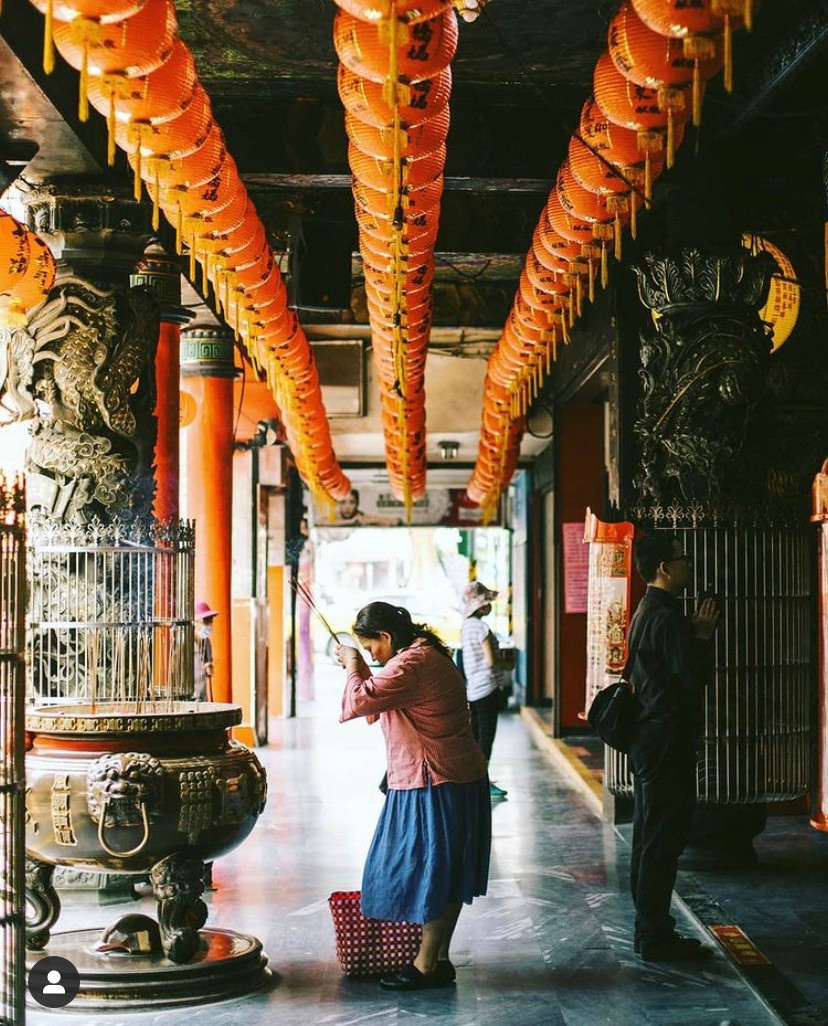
{"x":782,"y":308}
{"x":186,"y":409}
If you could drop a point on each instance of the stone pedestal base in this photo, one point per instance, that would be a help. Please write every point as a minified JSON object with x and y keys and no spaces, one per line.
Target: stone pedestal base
{"x":229,"y":964}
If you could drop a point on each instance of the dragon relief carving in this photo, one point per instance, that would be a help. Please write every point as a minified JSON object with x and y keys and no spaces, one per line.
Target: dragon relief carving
{"x":703,"y":371}
{"x":83,"y":370}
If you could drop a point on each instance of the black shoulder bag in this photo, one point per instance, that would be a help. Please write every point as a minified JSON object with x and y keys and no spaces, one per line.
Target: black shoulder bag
{"x":613,"y":712}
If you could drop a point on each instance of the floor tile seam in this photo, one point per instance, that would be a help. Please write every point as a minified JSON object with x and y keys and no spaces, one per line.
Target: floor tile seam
{"x":563,"y":759}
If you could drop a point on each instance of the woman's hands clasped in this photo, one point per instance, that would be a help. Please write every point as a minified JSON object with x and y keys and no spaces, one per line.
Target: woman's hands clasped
{"x":350,"y":658}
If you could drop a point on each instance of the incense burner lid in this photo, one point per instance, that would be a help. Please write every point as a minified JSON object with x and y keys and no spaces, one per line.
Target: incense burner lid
{"x":112,"y":718}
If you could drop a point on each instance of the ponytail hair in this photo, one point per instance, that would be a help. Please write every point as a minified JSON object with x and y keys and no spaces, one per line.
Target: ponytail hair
{"x":382,"y":618}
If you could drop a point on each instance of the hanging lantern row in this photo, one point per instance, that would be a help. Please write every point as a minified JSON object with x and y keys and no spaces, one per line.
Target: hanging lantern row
{"x":138,"y":73}
{"x":395,"y":81}
{"x":27,"y":271}
{"x":646,"y":87}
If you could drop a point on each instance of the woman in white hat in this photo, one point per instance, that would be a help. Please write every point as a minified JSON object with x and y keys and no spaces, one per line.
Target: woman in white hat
{"x":482,"y":667}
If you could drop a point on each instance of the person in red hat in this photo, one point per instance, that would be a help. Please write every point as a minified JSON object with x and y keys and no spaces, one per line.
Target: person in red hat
{"x":204,"y":617}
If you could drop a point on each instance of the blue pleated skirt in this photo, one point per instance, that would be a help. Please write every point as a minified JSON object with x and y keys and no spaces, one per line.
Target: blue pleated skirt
{"x":431,"y":847}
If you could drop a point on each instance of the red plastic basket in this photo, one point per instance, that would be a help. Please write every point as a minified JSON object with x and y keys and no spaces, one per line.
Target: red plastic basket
{"x":365,"y":947}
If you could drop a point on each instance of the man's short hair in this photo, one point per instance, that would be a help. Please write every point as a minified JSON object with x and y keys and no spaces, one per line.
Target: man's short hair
{"x":651,"y":550}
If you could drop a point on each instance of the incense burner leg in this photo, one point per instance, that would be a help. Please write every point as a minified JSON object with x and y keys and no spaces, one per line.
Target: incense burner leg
{"x":42,"y":903}
{"x":177,"y":883}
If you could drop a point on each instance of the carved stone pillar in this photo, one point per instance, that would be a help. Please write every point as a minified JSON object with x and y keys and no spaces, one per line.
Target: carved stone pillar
{"x":699,"y":470}
{"x":702,"y":370}
{"x":207,"y":366}
{"x":82,"y":369}
{"x":161,"y":274}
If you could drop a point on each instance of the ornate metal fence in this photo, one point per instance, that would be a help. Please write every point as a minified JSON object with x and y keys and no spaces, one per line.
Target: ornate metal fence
{"x":111,"y":615}
{"x":755,"y":746}
{"x":12,"y":771}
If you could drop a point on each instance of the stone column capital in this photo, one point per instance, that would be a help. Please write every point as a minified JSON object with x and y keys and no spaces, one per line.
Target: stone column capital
{"x":207,"y":351}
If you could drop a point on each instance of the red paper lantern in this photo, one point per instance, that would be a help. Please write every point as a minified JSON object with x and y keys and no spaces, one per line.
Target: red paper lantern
{"x":649,"y":59}
{"x":159,"y":96}
{"x":696,"y":23}
{"x":382,"y":175}
{"x":132,"y":46}
{"x":407,"y":11}
{"x":653,"y":113}
{"x":422,"y":51}
{"x":419,"y":141}
{"x":416,"y":101}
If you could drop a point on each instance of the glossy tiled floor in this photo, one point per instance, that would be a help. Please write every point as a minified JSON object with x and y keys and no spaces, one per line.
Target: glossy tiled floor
{"x":550,"y":945}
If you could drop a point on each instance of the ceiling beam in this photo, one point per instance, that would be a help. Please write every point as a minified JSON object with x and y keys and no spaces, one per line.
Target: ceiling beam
{"x":452,"y":184}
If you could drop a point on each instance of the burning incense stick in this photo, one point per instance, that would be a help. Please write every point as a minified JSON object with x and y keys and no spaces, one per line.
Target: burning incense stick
{"x":302,"y":589}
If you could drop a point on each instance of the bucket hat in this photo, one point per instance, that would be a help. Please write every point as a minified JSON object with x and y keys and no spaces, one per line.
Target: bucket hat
{"x":475,"y":596}
{"x":203,"y":610}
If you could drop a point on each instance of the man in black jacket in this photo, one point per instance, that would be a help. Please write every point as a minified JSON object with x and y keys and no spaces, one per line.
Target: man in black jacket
{"x":670,"y":655}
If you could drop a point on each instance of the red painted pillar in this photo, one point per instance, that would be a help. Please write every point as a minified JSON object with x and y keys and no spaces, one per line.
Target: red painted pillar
{"x":157,"y":271}
{"x":207,"y":367}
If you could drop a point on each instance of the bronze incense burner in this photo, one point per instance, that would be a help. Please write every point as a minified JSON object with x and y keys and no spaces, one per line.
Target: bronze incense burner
{"x":157,"y":788}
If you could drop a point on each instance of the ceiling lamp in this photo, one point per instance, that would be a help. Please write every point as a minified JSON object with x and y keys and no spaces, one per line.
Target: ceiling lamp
{"x":448,"y":449}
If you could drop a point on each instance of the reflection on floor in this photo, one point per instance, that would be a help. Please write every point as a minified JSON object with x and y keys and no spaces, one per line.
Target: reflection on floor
{"x":551,"y":945}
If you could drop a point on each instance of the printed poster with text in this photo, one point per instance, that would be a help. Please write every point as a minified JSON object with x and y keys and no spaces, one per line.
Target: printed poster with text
{"x":608,"y":601}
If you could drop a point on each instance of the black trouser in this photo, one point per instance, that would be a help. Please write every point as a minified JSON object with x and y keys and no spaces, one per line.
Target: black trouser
{"x":484,"y":721}
{"x":665,"y":794}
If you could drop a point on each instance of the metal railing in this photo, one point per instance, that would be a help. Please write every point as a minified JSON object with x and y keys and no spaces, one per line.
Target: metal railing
{"x":12,"y":766}
{"x":111,"y":617}
{"x":757,"y":708}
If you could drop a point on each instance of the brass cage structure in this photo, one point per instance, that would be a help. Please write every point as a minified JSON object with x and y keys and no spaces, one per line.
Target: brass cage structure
{"x":12,"y":765}
{"x":111,"y":616}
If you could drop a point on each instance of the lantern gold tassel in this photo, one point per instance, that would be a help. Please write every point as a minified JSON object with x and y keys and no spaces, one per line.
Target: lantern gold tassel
{"x":617,"y":233}
{"x":179,"y":227}
{"x":578,"y":294}
{"x":697,"y":93}
{"x":648,"y":180}
{"x":604,"y":268}
{"x":110,"y":130}
{"x":83,"y":99}
{"x":671,"y":139}
{"x":571,"y":307}
{"x":48,"y":41}
{"x":591,"y":278}
{"x":748,"y":14}
{"x":156,"y":193}
{"x":728,"y":55}
{"x":136,"y":178}
{"x":633,"y":217}
{"x":192,"y":257}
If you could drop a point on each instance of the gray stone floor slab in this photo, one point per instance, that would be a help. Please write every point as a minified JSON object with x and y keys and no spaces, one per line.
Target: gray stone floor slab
{"x":551,"y":945}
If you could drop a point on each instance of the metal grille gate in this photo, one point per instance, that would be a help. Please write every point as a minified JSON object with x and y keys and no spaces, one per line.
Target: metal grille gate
{"x":755,"y":746}
{"x":12,"y":769}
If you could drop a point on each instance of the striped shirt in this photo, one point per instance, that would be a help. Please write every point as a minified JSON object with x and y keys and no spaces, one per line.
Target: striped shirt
{"x":481,"y":679}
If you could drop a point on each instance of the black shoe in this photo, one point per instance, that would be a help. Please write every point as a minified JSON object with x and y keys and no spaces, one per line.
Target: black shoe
{"x":673,"y":949}
{"x":410,"y":978}
{"x":446,"y":971}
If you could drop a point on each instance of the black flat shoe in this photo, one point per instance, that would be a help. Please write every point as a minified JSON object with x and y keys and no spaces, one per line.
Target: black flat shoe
{"x":410,"y":978}
{"x":675,"y":949}
{"x":446,"y":971}
{"x":668,"y":939}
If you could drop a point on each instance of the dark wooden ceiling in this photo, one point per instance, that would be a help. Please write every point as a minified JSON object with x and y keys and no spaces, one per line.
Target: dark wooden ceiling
{"x":521,"y":75}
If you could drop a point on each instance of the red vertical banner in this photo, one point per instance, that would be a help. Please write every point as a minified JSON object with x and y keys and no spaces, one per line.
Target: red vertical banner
{"x":608,"y":601}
